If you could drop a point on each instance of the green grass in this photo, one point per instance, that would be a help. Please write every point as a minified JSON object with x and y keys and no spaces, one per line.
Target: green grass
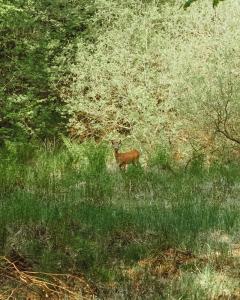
{"x":73,"y":215}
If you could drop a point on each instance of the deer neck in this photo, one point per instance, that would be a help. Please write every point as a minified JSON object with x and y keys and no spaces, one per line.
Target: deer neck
{"x":116,"y":153}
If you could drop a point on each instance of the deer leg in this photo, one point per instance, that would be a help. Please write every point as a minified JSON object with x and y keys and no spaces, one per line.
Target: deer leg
{"x":135,"y":162}
{"x":122,"y":166}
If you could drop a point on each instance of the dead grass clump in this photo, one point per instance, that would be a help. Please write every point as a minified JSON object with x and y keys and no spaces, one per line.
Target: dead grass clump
{"x":16,"y":284}
{"x":155,"y":272}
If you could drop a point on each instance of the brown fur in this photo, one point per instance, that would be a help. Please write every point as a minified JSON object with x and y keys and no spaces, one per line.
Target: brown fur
{"x":123,"y":159}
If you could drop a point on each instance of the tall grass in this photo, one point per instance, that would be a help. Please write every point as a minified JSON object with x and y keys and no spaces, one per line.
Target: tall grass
{"x":70,"y":215}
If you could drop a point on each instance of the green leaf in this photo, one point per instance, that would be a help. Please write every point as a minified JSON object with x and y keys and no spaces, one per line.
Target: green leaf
{"x":188,"y":3}
{"x":216,"y":2}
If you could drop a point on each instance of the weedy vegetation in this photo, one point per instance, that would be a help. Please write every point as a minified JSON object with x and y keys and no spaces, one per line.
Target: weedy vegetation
{"x":76,"y":75}
{"x":137,"y":233}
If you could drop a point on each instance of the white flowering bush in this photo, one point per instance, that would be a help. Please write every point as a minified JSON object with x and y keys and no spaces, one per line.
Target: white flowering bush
{"x":157,"y":73}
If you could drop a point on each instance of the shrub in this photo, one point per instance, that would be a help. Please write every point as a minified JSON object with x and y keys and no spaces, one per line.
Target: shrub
{"x":157,"y":73}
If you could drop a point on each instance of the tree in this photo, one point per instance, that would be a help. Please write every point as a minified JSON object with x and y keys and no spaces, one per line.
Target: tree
{"x":37,"y":44}
{"x":154,"y":75}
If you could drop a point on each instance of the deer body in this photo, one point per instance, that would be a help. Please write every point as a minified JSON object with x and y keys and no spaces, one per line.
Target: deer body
{"x":126,"y":158}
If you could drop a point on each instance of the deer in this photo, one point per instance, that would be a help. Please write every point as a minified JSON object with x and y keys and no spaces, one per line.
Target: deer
{"x":126,"y":158}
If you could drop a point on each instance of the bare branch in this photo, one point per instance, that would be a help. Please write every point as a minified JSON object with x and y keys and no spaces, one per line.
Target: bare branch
{"x":222,"y":122}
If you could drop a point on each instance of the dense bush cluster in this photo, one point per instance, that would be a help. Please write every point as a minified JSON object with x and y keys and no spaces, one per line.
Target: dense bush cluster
{"x":149,"y":72}
{"x":158,"y":74}
{"x":37,"y":40}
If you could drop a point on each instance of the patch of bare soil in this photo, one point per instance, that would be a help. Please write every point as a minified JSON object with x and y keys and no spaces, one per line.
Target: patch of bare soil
{"x":156,"y":271}
{"x":235,"y":296}
{"x":235,"y":252}
{"x":166,"y":265}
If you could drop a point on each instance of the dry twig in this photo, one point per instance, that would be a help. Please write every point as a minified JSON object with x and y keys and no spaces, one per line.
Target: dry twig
{"x":40,"y":284}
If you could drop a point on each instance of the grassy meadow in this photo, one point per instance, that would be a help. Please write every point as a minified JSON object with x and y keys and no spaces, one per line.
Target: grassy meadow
{"x":152,"y":232}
